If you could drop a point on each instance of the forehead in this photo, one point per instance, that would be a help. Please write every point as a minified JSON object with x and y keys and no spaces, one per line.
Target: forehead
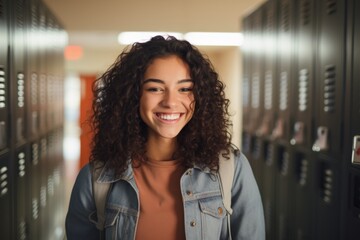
{"x":169,"y":67}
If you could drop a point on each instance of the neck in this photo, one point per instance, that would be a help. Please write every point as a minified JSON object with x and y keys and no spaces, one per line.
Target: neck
{"x":160,"y":149}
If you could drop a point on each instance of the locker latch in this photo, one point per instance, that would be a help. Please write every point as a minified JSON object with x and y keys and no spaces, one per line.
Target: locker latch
{"x":321,"y":142}
{"x":355,"y":159}
{"x":298,"y":137}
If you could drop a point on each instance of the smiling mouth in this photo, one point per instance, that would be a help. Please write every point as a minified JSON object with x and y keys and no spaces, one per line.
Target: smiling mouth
{"x":169,"y":117}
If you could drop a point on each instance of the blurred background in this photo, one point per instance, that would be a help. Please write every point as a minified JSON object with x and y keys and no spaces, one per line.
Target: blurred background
{"x":290,"y":70}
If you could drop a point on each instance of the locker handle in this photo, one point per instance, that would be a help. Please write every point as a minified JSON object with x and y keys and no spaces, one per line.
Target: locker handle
{"x":355,"y":159}
{"x":322,"y":140}
{"x":298,"y":137}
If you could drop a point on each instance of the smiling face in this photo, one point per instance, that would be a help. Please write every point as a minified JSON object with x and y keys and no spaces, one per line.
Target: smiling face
{"x":167,"y":100}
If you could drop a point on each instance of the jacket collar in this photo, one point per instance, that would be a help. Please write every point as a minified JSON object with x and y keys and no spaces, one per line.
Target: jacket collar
{"x":108,"y":175}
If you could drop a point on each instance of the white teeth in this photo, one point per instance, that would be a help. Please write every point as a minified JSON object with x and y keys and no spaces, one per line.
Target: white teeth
{"x":169,"y":116}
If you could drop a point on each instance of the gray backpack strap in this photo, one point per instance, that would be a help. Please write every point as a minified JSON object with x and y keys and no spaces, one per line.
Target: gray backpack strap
{"x":100,"y":192}
{"x":226,"y":176}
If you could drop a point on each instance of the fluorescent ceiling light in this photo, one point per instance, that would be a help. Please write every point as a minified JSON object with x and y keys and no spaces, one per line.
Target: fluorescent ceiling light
{"x":195,"y":38}
{"x":214,"y":38}
{"x":125,"y":38}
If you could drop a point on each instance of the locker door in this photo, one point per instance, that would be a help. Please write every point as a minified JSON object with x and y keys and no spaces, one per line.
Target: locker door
{"x":330,"y":76}
{"x":268,"y":190}
{"x":304,"y":72}
{"x":17,"y":59}
{"x":268,"y":90}
{"x":5,"y":198}
{"x":32,"y":86}
{"x":42,"y":77}
{"x":21,"y":186}
{"x":4,"y":76}
{"x":352,"y":150}
{"x":281,"y":131}
{"x":34,"y":178}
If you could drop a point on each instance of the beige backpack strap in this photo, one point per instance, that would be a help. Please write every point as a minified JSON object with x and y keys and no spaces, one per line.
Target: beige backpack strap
{"x":226,"y":175}
{"x":100,"y":192}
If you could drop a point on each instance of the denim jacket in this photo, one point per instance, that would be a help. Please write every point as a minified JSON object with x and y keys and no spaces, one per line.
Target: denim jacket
{"x":204,"y":212}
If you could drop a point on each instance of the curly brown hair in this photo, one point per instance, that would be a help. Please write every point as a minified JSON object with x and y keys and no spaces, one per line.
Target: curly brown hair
{"x":119,"y":132}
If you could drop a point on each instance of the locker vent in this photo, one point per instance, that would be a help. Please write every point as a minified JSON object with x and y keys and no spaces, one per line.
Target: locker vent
{"x":302,"y":171}
{"x":285,"y":16}
{"x":20,"y":14}
{"x":34,"y":154}
{"x":34,"y":88}
{"x":283,"y":103}
{"x":256,"y":151}
{"x":327,"y":185}
{"x":43,"y":89}
{"x":50,"y":186}
{"x":21,"y":164}
{"x":22,"y":230}
{"x":21,"y":89}
{"x":3,"y":181}
{"x":255,"y":91}
{"x":246,"y":143}
{"x":268,"y":90}
{"x":35,"y":208}
{"x":2,"y":88}
{"x":303,"y":89}
{"x":357,"y":192}
{"x":269,"y":154}
{"x":331,"y":6}
{"x":305,"y":12}
{"x":43,"y":197}
{"x":284,"y":163}
{"x":329,"y":88}
{"x":44,"y":148}
{"x":33,"y":17}
{"x":246,"y":91}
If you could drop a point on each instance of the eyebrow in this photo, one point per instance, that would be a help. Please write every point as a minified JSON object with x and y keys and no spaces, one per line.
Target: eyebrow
{"x":163,"y":82}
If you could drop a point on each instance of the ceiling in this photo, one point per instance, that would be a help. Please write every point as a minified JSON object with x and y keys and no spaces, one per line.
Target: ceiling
{"x":94,"y":24}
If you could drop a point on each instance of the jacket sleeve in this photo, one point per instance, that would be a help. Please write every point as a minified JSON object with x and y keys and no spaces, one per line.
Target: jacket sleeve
{"x":247,"y":219}
{"x":81,"y":206}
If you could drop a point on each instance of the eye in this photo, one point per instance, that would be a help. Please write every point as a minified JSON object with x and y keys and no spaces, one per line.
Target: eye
{"x":186,"y":89}
{"x":154,"y":89}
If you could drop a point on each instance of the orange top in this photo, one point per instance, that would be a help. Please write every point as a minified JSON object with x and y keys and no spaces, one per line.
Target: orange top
{"x":161,"y":206}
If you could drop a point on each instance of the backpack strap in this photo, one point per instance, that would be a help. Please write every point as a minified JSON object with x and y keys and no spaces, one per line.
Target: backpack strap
{"x":226,"y":176}
{"x":100,"y":192}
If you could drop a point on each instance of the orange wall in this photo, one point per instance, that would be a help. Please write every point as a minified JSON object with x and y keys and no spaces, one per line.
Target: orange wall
{"x":85,"y":112}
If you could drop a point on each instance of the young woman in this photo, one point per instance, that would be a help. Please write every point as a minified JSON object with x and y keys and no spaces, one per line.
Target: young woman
{"x":161,"y":122}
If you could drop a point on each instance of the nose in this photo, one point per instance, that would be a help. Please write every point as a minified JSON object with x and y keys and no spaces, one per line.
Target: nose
{"x":170,"y":99}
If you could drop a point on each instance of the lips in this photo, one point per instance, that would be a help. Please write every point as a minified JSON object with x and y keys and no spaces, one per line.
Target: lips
{"x":169,"y":117}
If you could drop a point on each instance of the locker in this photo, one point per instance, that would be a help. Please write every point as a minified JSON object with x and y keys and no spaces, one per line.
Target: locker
{"x":4,"y":76}
{"x":246,"y":51}
{"x":17,"y":69}
{"x":353,"y":216}
{"x":42,"y":77}
{"x":302,"y":192}
{"x":34,"y":177}
{"x":268,"y":189}
{"x":21,"y":186}
{"x":268,"y":88}
{"x":304,"y":71}
{"x":330,"y":61}
{"x":45,"y":211}
{"x":256,"y":73}
{"x":327,"y":197}
{"x":5,"y":198}
{"x":285,"y":80}
{"x":32,"y":63}
{"x":283,"y":191}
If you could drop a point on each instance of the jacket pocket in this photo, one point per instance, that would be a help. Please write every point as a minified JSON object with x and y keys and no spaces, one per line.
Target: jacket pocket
{"x":213,"y":213}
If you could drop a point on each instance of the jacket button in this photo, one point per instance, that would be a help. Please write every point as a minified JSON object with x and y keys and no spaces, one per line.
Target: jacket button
{"x":189,"y":193}
{"x":193,"y":223}
{"x":220,"y":211}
